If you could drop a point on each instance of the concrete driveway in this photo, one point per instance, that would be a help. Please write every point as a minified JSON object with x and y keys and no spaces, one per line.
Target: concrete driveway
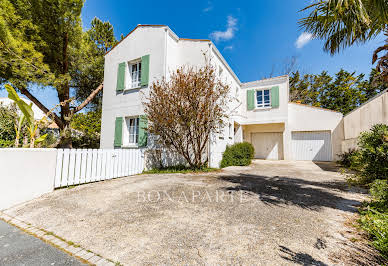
{"x":272,"y":212}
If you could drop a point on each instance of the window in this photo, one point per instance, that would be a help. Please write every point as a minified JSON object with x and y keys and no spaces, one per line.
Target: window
{"x":263,"y":98}
{"x":132,"y":135}
{"x":231,"y":132}
{"x":134,"y":74}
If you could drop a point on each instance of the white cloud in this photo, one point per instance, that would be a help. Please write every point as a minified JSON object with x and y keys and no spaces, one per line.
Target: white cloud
{"x":303,"y":39}
{"x":209,"y":7}
{"x":228,"y":33}
{"x":230,"y":47}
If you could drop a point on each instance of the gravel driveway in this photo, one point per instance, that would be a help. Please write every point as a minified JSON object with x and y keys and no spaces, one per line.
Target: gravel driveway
{"x":272,"y":212}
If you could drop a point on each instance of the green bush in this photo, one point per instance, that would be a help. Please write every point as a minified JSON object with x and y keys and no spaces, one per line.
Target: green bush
{"x":373,"y":155}
{"x":374,"y":216}
{"x":238,"y":154}
{"x":376,"y":224}
{"x":349,"y":158}
{"x":6,"y":143}
{"x":379,"y":191}
{"x":370,"y":161}
{"x":88,"y":126}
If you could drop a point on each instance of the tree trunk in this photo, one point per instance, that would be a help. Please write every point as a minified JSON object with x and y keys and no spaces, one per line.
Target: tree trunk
{"x":65,"y":141}
{"x":65,"y":131}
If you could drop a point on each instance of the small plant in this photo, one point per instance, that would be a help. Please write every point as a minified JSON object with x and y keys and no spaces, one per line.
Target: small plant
{"x":238,"y":154}
{"x":27,"y":115}
{"x":376,"y":224}
{"x":349,"y":158}
{"x":379,"y":191}
{"x":178,"y":169}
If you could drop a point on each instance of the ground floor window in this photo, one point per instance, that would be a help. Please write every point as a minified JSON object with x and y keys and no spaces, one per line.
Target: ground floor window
{"x":132,"y":131}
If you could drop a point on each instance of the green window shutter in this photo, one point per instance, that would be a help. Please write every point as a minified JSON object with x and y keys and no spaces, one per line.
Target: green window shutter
{"x":145,"y":70}
{"x":250,"y":99}
{"x":120,"y":77}
{"x":118,"y":132}
{"x":143,"y":124}
{"x":275,"y":96}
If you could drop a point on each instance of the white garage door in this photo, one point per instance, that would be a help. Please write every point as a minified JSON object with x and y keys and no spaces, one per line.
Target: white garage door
{"x":268,"y":145}
{"x":311,"y":145}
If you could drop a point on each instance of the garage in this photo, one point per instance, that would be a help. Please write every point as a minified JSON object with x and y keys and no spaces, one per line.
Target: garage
{"x":268,"y":145}
{"x":311,"y":145}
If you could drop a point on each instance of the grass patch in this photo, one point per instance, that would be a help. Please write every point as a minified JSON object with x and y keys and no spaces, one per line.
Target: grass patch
{"x":374,"y":216}
{"x":375,"y":223}
{"x":179,"y":169}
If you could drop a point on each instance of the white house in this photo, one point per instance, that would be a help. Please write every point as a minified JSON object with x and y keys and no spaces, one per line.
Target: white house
{"x":260,"y":112}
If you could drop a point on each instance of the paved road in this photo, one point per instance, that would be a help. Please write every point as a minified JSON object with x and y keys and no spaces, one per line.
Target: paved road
{"x":20,"y":248}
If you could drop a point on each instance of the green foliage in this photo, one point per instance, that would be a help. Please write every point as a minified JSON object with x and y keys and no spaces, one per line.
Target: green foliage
{"x":376,"y":224}
{"x":348,"y":159}
{"x":6,"y":143}
{"x":43,"y":43}
{"x":27,"y":115}
{"x":90,"y":59}
{"x":8,"y":117}
{"x":179,"y":169}
{"x":343,"y":92}
{"x":379,"y":191}
{"x":373,"y":154}
{"x":344,"y":23}
{"x":88,"y":127}
{"x":374,"y":216}
{"x":238,"y":154}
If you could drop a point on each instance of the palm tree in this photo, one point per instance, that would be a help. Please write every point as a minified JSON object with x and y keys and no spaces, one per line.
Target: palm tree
{"x":342,"y":23}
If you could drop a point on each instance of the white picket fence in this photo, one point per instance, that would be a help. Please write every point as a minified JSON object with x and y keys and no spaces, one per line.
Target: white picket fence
{"x":79,"y":166}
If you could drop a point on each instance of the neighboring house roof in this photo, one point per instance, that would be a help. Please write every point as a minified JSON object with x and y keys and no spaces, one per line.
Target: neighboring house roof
{"x":53,"y":125}
{"x":38,"y":114}
{"x":316,"y":107}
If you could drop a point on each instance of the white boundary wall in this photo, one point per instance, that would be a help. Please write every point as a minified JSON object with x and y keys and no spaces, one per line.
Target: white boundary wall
{"x":29,"y":173}
{"x":25,"y":174}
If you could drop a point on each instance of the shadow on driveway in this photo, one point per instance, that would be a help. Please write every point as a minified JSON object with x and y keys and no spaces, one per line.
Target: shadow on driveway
{"x":299,"y":257}
{"x":293,"y":191}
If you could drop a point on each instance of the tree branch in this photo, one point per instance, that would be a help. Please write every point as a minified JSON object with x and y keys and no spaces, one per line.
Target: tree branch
{"x":57,"y":120}
{"x":89,"y":98}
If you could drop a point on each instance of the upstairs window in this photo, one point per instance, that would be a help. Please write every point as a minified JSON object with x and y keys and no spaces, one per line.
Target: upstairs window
{"x":263,"y":98}
{"x":134,"y":74}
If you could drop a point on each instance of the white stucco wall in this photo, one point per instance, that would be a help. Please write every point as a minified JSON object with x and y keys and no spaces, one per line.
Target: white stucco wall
{"x":307,"y":118}
{"x":363,"y":118}
{"x":25,"y":174}
{"x":143,"y":41}
{"x":266,"y":115}
{"x":167,"y":53}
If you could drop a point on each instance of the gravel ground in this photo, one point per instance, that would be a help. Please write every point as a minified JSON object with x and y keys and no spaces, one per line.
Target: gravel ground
{"x":272,"y":212}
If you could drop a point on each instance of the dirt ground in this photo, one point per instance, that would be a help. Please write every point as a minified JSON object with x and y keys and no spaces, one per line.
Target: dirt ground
{"x":270,"y":213}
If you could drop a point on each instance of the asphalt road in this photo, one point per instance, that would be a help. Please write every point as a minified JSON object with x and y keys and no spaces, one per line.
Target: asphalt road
{"x":20,"y":248}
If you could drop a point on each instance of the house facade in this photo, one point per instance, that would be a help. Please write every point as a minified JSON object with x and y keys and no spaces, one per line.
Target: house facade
{"x":259,"y":113}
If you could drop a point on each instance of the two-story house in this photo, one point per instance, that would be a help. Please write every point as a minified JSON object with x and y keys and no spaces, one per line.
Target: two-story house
{"x":260,"y":112}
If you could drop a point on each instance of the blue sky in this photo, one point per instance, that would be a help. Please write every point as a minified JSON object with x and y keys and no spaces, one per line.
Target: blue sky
{"x":253,"y":36}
